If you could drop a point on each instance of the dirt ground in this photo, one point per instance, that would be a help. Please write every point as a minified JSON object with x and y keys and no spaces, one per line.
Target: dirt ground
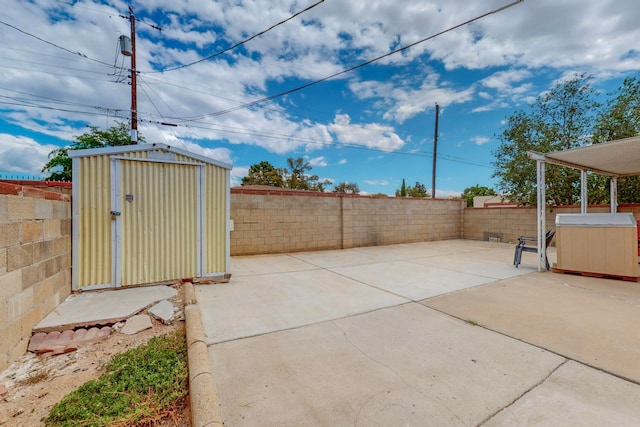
{"x":36,"y":383}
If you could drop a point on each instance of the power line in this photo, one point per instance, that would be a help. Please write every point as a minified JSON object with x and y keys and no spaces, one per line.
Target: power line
{"x":244,"y":131}
{"x":56,"y":74}
{"x":64,"y":110}
{"x":82,"y":55}
{"x":239,"y":43}
{"x":418,"y":132}
{"x":51,"y":65}
{"x":348,"y":70}
{"x":39,"y":54}
{"x":52,"y":100}
{"x":113,"y":112}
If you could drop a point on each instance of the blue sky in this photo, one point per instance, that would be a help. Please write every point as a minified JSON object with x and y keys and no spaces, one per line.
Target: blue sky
{"x":60,"y":71}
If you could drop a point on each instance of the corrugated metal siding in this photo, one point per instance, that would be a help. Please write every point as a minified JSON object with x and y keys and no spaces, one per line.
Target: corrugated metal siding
{"x":94,"y":267}
{"x":158,"y":230}
{"x":159,"y":227}
{"x":215,"y":220}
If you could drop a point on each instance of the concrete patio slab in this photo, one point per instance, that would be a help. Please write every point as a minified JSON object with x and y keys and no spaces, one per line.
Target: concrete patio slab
{"x":331,"y":342}
{"x":574,"y":395}
{"x":465,"y":263}
{"x":257,"y":304}
{"x":100,"y":308}
{"x":412,"y":279}
{"x":267,"y":264}
{"x":405,"y":365}
{"x":370,"y":254}
{"x":586,"y":319}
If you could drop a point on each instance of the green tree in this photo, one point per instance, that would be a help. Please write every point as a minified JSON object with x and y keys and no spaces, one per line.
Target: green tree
{"x":347,"y":188}
{"x":402,"y":192}
{"x":558,"y":120}
{"x":297,"y":178}
{"x":320,"y":186}
{"x":620,"y":119}
{"x":477,"y":190}
{"x":418,"y":190}
{"x":59,"y":164}
{"x":264,"y":173}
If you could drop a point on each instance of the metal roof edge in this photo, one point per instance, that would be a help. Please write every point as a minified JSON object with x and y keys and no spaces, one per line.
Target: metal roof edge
{"x":545,"y":157}
{"x":146,"y":147}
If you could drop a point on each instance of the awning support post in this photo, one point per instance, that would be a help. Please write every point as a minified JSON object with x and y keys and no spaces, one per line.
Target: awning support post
{"x":584,"y":200}
{"x":613,"y":188}
{"x":542,"y":214}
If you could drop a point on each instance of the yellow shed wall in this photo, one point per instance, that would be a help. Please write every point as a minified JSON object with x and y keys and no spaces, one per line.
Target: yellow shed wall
{"x":93,"y":265}
{"x":166,"y":249}
{"x":215,"y":219}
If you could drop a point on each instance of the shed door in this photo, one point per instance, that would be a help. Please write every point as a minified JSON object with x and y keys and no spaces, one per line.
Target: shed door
{"x":158,"y":232}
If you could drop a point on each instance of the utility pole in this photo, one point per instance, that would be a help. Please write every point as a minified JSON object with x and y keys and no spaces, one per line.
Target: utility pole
{"x":134,"y":93}
{"x":128,"y":48}
{"x":435,"y":155}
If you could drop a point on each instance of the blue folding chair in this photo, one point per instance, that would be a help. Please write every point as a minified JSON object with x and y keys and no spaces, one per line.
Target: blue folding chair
{"x":522,"y":246}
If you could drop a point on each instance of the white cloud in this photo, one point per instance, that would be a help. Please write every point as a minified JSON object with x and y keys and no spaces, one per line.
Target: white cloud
{"x":401,"y":103}
{"x":371,"y":135}
{"x":376,"y":182}
{"x":342,"y":162}
{"x":318,"y":161}
{"x":237,"y":173}
{"x":504,"y":80}
{"x":447,"y":193}
{"x":22,"y":155}
{"x":480,"y":140}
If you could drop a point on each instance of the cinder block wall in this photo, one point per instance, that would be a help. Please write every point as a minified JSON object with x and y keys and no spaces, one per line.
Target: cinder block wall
{"x":371,"y":221}
{"x":276,"y":221}
{"x":507,"y":224}
{"x":35,"y":262}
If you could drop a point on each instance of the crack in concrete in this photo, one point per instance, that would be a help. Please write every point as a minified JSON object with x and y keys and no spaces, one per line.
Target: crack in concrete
{"x":542,"y":381}
{"x":330,"y":270}
{"x":604,"y":293}
{"x":378,"y":362}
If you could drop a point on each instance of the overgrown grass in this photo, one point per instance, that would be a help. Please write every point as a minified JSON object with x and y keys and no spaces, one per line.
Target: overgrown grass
{"x":141,"y":386}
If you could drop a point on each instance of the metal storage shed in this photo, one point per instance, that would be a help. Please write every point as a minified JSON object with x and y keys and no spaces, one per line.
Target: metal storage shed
{"x":148,"y":213}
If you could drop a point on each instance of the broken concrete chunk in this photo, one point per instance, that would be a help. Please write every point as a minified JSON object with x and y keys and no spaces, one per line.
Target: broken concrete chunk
{"x":36,"y":341}
{"x":137,"y":323}
{"x":67,"y":341}
{"x":163,"y":311}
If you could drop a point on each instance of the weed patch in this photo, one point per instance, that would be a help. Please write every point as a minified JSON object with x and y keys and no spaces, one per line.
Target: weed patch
{"x":141,"y":386}
{"x":38,"y":377}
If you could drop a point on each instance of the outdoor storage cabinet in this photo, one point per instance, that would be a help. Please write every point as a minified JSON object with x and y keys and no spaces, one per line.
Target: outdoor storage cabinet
{"x":147,"y":213}
{"x":597,"y":243}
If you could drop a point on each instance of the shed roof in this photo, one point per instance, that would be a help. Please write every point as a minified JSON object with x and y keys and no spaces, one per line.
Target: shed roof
{"x":146,"y":147}
{"x":614,"y":158}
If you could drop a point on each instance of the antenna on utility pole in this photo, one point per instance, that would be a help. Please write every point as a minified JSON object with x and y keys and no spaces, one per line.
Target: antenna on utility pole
{"x":128,"y":48}
{"x":435,"y":154}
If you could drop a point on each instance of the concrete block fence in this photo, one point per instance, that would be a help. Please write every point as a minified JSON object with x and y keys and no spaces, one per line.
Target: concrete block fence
{"x":507,"y":224}
{"x":277,"y":221}
{"x":35,"y":262}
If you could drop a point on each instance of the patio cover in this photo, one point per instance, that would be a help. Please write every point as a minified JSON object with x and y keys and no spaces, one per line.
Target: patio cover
{"x":614,"y":159}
